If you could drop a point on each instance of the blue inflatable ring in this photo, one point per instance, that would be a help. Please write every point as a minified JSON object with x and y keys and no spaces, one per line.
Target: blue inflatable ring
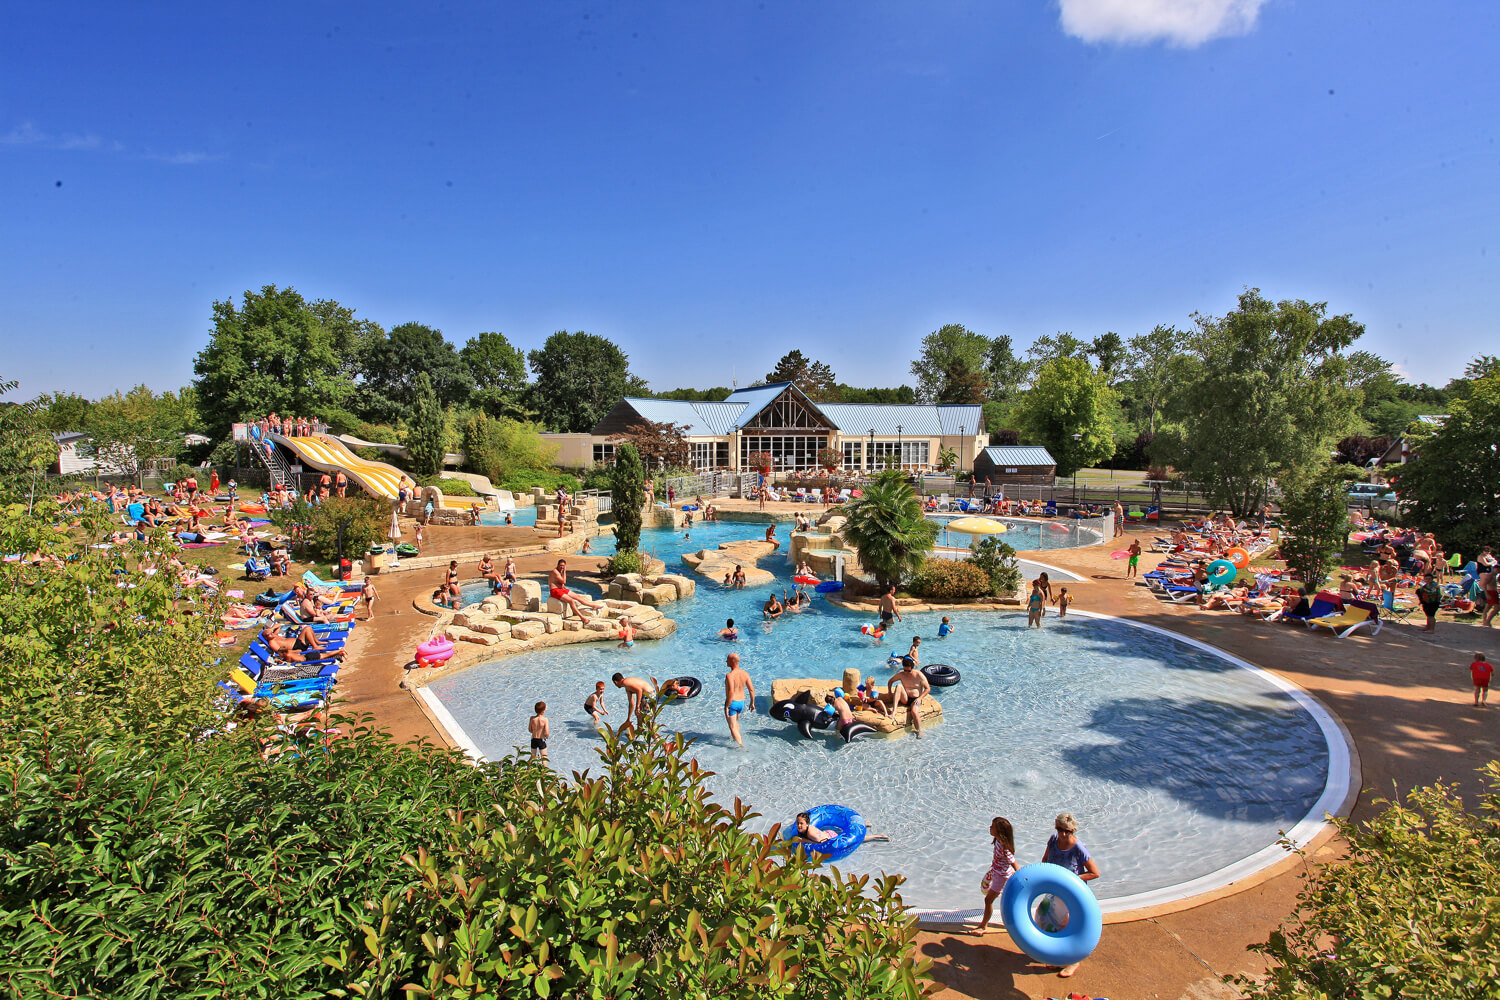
{"x":828,"y":587}
{"x":1073,"y":943}
{"x":849,"y":825}
{"x":1222,"y":572}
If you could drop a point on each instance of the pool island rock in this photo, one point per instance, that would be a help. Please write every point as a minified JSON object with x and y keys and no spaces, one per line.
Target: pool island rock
{"x":719,"y":563}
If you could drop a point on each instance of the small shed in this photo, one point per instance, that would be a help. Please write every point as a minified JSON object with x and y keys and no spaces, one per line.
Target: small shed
{"x":1012,"y":465}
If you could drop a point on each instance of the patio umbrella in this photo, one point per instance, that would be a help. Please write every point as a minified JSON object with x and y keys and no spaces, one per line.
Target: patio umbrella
{"x":395,"y":530}
{"x":977,"y":526}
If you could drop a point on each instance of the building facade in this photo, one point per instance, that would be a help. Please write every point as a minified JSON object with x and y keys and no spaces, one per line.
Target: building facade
{"x":1029,"y":465}
{"x":779,"y":420}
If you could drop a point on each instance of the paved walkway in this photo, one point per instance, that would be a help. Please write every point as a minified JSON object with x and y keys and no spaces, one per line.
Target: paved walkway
{"x":1404,"y":696}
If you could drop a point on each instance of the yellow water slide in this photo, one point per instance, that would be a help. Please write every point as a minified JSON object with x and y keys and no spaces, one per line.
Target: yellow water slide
{"x":328,"y":454}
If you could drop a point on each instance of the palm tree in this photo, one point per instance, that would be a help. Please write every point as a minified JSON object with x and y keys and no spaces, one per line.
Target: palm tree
{"x":888,"y":528}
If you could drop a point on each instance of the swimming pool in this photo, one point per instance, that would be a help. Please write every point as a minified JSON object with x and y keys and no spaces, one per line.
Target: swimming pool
{"x":521,"y":515}
{"x":1026,"y":535}
{"x":1178,"y":762}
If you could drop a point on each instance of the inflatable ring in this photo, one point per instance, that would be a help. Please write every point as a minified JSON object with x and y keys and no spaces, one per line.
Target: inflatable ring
{"x":941,"y":675}
{"x":1238,"y":556}
{"x":674,"y":688}
{"x":847,"y":824}
{"x":1054,"y":526}
{"x":435,"y":651}
{"x":829,"y":586}
{"x":1073,"y":943}
{"x":1221,"y":572}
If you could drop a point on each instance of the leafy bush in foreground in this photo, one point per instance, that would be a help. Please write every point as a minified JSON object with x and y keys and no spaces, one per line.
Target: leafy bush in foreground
{"x":1413,"y":912}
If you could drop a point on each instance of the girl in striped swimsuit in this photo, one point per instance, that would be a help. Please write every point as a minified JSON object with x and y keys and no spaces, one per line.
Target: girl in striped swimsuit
{"x":1001,"y":865}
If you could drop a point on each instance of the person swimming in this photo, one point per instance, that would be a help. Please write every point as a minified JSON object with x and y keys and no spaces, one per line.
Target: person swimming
{"x":729,"y":632}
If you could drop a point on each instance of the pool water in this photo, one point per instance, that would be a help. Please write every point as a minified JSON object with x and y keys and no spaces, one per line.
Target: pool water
{"x":521,"y":515}
{"x":1024,"y":535}
{"x":1175,"y":761}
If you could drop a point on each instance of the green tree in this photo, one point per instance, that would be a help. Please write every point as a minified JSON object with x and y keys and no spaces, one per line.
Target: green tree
{"x":1314,"y":520}
{"x":393,"y":364}
{"x":427,"y":432}
{"x":717,"y":394}
{"x":579,"y":378}
{"x":998,"y":561}
{"x":943,"y":347}
{"x":814,"y":378}
{"x":1412,"y":910}
{"x":499,"y":374}
{"x":275,"y":352}
{"x":659,"y":445}
{"x":900,"y":394}
{"x":26,"y":449}
{"x":64,"y":411}
{"x":1265,"y":393}
{"x":1004,"y":373}
{"x":1066,"y":398}
{"x":962,"y":384}
{"x":1452,"y":486}
{"x":128,"y":430}
{"x":627,"y":486}
{"x":1109,"y":350}
{"x":889,"y":529}
{"x":1050,"y":347}
{"x":1155,"y":365}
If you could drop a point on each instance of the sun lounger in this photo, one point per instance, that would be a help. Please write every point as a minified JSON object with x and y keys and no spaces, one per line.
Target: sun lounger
{"x":1356,"y":614}
{"x":311,"y":579}
{"x":1321,"y":607}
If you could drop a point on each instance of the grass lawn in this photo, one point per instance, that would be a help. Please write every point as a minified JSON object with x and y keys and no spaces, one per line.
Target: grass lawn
{"x":1121,"y":476}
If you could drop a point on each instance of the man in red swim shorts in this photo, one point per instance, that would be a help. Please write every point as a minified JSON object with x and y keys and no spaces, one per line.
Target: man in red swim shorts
{"x":557,"y":580}
{"x":1481,"y":671}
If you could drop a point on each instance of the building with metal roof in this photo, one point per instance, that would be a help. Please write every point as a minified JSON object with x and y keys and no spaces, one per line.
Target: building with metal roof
{"x":779,"y":420}
{"x":1015,"y":464}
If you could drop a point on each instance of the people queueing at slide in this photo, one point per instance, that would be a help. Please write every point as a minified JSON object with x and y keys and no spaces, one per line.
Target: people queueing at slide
{"x":739,"y":695}
{"x":557,"y":580}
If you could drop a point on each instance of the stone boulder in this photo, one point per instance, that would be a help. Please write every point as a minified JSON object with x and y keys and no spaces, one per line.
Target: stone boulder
{"x":662,"y":594}
{"x":681,"y":584}
{"x":527,"y":630}
{"x":526,"y":595}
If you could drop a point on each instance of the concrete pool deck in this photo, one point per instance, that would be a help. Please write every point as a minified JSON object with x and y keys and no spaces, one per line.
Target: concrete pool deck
{"x":1403,"y":696}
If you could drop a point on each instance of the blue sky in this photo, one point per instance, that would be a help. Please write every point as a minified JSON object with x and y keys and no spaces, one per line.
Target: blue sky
{"x":711,"y":185}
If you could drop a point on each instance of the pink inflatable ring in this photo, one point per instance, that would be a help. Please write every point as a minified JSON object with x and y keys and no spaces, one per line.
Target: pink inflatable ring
{"x":435,"y":651}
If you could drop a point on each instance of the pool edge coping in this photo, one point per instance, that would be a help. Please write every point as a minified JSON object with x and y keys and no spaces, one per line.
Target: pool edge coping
{"x":1340,"y":792}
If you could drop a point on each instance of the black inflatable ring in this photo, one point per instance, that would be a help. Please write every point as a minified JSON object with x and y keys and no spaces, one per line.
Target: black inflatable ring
{"x":694,"y":687}
{"x":941,"y":675}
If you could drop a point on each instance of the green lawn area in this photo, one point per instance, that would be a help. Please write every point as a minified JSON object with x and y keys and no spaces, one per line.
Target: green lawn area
{"x":1121,"y":476}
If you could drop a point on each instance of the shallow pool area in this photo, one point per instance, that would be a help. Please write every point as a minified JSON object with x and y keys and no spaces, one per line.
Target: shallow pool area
{"x":1025,"y":534}
{"x":1178,"y":762}
{"x":521,"y":515}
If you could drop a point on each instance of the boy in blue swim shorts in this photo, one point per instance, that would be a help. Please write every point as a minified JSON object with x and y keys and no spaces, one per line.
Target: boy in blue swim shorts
{"x":739,"y":694}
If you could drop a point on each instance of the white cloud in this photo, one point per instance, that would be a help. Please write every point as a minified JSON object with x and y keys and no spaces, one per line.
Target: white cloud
{"x":27,"y":134}
{"x":1176,"y":22}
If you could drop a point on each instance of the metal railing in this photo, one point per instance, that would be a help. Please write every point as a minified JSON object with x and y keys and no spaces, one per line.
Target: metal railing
{"x":708,"y":484}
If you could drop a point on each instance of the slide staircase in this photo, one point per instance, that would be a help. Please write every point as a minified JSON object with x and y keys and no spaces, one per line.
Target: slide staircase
{"x":328,"y":454}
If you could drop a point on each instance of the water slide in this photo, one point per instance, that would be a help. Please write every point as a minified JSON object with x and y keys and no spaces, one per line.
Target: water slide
{"x":328,"y":454}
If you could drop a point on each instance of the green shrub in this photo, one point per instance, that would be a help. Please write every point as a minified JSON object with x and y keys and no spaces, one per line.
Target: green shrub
{"x":315,"y":529}
{"x":945,"y":579}
{"x":998,"y":562}
{"x":1413,"y":910}
{"x":451,"y":487}
{"x":625,"y":562}
{"x":527,"y":479}
{"x":598,"y":477}
{"x":181,"y":472}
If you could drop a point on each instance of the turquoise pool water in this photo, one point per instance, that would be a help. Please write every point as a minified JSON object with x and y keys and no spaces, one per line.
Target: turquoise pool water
{"x":1176,"y":762}
{"x":1024,"y":534}
{"x":521,"y":515}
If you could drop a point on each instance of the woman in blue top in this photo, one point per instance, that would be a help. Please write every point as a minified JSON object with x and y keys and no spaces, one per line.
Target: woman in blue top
{"x":1067,"y":851}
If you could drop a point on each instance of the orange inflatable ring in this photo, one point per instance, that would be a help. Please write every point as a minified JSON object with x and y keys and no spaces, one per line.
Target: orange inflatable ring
{"x":1239,"y":557}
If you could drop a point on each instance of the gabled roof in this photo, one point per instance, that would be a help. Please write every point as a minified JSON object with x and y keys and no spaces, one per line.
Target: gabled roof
{"x":757,"y":398}
{"x":63,"y":437}
{"x":1018,"y":455}
{"x":702,"y":419}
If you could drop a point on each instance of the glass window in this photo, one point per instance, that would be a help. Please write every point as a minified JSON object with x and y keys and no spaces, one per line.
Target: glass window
{"x":604,"y":453}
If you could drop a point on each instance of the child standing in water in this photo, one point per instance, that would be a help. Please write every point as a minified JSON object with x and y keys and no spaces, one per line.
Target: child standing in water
{"x":1034,"y":606}
{"x":1002,"y":863}
{"x":1063,"y":600}
{"x":945,"y":628}
{"x":540,"y":729}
